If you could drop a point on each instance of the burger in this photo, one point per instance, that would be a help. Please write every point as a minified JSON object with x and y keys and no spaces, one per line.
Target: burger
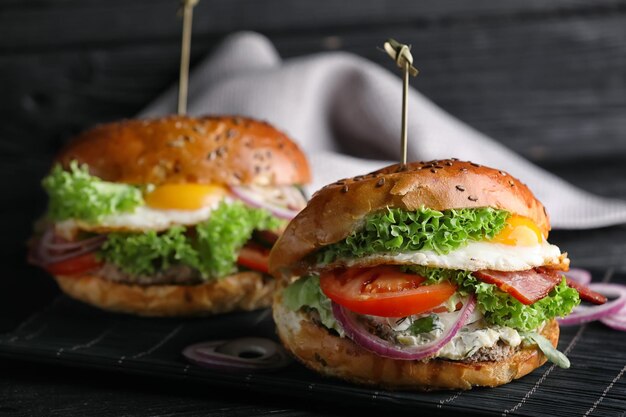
{"x":432,"y":275}
{"x":171,"y":216}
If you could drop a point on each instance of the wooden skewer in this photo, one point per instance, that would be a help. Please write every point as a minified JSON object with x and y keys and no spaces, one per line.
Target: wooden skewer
{"x":185,"y":48}
{"x":401,"y":53}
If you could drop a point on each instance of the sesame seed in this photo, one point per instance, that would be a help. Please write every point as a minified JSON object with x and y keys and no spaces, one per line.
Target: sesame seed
{"x":344,"y":189}
{"x":463,"y":169}
{"x":449,"y":163}
{"x":511,"y":183}
{"x":433,"y":170}
{"x":231,"y":133}
{"x":474,"y":164}
{"x":460,"y":188}
{"x":502,"y":172}
{"x":472,"y":198}
{"x":438,"y":167}
{"x":380,"y":182}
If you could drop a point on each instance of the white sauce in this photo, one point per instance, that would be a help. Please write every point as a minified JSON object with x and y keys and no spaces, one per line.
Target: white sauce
{"x":475,"y":335}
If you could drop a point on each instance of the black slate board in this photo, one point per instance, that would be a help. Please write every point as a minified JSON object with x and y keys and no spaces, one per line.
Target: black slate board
{"x":69,"y":333}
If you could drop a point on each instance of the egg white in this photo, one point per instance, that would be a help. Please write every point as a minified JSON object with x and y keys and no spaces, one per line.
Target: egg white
{"x":475,"y":256}
{"x":143,"y":218}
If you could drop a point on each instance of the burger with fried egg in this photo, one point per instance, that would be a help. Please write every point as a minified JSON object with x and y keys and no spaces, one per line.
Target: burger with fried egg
{"x":433,"y":275}
{"x":172,"y":216}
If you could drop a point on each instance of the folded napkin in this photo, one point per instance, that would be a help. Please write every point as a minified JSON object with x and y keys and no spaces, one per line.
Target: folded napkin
{"x":344,"y":111}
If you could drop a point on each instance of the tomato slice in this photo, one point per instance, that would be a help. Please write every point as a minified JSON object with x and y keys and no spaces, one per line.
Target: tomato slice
{"x":75,"y":266}
{"x":254,"y":256}
{"x":383,"y":291}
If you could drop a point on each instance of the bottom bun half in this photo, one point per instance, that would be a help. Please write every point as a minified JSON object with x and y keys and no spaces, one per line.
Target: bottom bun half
{"x":331,"y":355}
{"x":242,"y":291}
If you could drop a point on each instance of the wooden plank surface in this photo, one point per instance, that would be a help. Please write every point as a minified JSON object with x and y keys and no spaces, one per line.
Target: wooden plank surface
{"x":548,"y":82}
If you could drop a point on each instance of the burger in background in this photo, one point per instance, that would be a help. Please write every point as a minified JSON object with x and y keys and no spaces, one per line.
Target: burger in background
{"x":433,"y":275}
{"x":171,"y":216}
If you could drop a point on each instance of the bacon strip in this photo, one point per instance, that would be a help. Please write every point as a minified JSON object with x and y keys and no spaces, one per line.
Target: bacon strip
{"x":534,"y":284}
{"x":527,"y":286}
{"x":586,"y":294}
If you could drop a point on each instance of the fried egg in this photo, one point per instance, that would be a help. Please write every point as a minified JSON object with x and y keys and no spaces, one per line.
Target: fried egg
{"x":474,"y":256}
{"x":141,"y":219}
{"x":518,"y":247}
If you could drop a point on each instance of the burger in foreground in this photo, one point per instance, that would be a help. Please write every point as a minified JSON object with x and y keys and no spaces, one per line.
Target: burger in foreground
{"x":171,"y":216}
{"x":437,"y":275}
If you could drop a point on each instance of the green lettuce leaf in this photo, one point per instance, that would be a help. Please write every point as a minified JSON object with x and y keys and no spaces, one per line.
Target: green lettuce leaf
{"x":395,"y":230}
{"x":306,"y":292}
{"x":553,"y":355}
{"x":219,"y":239}
{"x":500,"y":308}
{"x":76,"y":194}
{"x":148,"y":252}
{"x":211,"y":247}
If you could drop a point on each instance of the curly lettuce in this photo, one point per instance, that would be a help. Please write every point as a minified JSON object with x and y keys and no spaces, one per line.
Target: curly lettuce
{"x":75,"y":194}
{"x":148,"y":252}
{"x":306,"y":292}
{"x":219,"y":239}
{"x":500,"y":308}
{"x":210,"y":247}
{"x":395,"y":230}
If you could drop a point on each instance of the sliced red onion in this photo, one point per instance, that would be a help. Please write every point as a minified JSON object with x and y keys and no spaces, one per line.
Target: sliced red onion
{"x":581,"y":276}
{"x":238,"y":355}
{"x":361,"y":336}
{"x":617,"y":320}
{"x":49,"y":252}
{"x":258,"y":198}
{"x":584,"y":314}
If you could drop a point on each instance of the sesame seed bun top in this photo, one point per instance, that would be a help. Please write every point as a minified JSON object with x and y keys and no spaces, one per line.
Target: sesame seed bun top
{"x":339,"y":208}
{"x":181,"y":149}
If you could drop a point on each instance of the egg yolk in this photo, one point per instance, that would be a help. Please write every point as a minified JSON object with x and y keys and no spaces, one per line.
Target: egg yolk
{"x":519,"y":231}
{"x":184,"y":196}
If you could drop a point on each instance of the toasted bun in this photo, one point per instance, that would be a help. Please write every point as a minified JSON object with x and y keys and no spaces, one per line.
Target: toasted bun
{"x":242,"y":291}
{"x":339,"y":357}
{"x":180,"y":149}
{"x":339,"y":208}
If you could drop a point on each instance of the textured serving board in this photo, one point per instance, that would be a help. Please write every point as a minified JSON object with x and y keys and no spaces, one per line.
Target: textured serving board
{"x":71,"y":334}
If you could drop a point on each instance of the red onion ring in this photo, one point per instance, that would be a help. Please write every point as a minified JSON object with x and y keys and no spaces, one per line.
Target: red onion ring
{"x":230,"y":355}
{"x":255,"y":199}
{"x":581,"y":276}
{"x":358,"y":334}
{"x":49,"y":252}
{"x":616,"y":321}
{"x":584,"y":314}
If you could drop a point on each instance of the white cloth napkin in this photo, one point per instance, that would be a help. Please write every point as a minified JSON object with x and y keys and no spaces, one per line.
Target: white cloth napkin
{"x":345,"y":113}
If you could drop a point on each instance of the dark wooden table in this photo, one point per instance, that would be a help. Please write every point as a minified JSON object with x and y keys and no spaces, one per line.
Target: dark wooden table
{"x":545,"y":78}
